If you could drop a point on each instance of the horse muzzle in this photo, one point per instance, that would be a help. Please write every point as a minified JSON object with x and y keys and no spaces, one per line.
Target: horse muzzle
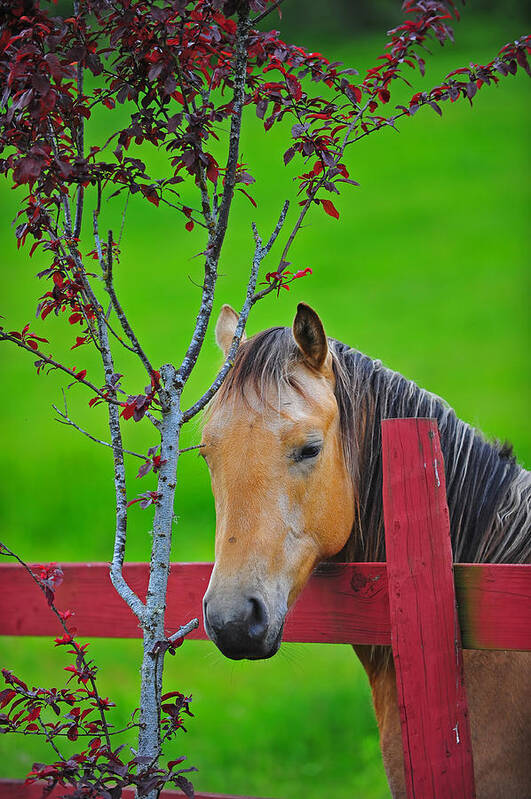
{"x":242,"y":627}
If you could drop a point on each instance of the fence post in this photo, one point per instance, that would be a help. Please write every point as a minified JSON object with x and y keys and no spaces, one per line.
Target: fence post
{"x":424,"y":627}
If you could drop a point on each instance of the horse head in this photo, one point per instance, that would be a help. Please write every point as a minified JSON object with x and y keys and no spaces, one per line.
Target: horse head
{"x":283,"y":494}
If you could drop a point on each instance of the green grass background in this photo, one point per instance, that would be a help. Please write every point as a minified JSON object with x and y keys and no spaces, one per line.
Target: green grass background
{"x":426,"y":269}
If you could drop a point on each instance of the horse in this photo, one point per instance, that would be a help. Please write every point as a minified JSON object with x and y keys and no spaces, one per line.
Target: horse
{"x":293,"y":444}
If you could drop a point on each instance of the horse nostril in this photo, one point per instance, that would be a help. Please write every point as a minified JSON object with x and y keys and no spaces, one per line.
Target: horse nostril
{"x":256,"y":617}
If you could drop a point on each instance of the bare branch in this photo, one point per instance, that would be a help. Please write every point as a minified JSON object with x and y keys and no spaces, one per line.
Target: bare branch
{"x":189,"y":449}
{"x":117,"y":578}
{"x":251,"y":298}
{"x":184,"y":630}
{"x":153,"y":419}
{"x":114,"y":333}
{"x":123,"y":215}
{"x":66,"y":420}
{"x":109,"y":286}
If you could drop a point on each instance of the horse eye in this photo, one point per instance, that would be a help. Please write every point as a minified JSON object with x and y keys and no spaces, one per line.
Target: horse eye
{"x":309,"y":451}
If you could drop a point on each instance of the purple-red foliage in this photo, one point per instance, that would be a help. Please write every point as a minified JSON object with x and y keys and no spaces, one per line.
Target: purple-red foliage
{"x":171,"y":65}
{"x":99,"y":769}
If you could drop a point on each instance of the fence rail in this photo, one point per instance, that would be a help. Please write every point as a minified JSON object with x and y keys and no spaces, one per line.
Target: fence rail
{"x":418,"y":603}
{"x":343,"y":603}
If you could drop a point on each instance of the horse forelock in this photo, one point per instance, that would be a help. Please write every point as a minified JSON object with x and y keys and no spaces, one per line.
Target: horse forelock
{"x":489,"y":494}
{"x":265,"y":361}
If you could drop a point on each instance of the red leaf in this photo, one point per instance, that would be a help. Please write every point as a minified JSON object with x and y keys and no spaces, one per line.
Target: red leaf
{"x":248,"y":196}
{"x":75,"y":317}
{"x":294,"y":86}
{"x":302,"y":273}
{"x":212,"y":172}
{"x":72,"y":733}
{"x":330,"y":208}
{"x":33,"y":714}
{"x":173,"y":763}
{"x":6,"y":696}
{"x":190,"y":225}
{"x":356,"y":91}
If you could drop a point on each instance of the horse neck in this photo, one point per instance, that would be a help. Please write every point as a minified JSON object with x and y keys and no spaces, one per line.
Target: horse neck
{"x":489,"y":495}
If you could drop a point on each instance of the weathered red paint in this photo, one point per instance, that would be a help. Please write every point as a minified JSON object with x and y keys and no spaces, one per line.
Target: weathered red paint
{"x":343,"y":603}
{"x":425,"y":634}
{"x":494,"y":605}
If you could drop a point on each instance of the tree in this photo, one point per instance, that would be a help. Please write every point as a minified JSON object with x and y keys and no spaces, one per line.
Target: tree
{"x":184,"y":70}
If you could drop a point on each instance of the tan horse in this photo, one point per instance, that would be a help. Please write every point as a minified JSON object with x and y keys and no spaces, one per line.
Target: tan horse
{"x":292,"y":442}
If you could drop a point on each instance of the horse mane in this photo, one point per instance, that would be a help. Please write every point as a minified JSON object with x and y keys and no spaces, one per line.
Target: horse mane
{"x":489,"y":494}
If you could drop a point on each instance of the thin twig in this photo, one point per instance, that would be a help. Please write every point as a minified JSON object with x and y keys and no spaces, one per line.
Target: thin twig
{"x":116,"y":570}
{"x":108,"y":278}
{"x":184,"y":630}
{"x":66,"y":420}
{"x":161,"y":646}
{"x":49,"y":738}
{"x":189,"y":449}
{"x":153,"y":420}
{"x":123,"y":215}
{"x":41,"y":356}
{"x":266,"y":13}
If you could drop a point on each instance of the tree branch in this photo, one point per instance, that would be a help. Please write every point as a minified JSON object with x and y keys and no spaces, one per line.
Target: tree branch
{"x":57,"y":365}
{"x":216,"y":237}
{"x":320,"y":183}
{"x":109,"y":286}
{"x":251,"y":298}
{"x":266,"y":13}
{"x":66,"y":420}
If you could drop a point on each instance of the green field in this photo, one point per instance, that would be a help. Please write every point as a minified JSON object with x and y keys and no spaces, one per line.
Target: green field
{"x":426,"y":269}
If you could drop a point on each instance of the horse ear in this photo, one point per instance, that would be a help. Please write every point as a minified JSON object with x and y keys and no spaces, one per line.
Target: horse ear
{"x":225,"y":328}
{"x":308,"y":332}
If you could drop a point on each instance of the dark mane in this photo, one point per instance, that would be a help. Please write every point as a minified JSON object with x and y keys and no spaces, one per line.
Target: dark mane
{"x":489,"y":494}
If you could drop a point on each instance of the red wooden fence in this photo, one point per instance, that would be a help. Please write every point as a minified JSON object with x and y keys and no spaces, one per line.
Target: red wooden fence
{"x":425,"y":634}
{"x":408,"y":602}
